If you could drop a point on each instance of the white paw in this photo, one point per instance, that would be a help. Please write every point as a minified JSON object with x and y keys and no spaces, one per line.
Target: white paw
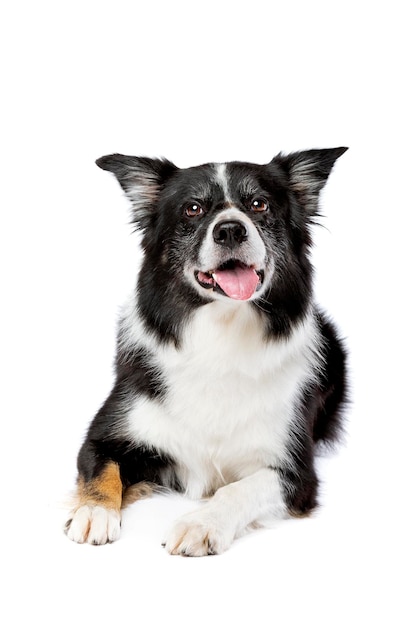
{"x":94,"y":524}
{"x":197,"y":534}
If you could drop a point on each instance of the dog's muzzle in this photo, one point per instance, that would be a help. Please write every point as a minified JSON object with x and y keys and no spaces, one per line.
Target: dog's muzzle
{"x":234,"y":272}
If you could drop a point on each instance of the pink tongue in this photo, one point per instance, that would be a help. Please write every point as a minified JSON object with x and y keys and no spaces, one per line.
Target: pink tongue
{"x":239,"y":283}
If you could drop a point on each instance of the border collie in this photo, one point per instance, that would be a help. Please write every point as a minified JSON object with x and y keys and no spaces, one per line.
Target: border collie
{"x":227,"y":373}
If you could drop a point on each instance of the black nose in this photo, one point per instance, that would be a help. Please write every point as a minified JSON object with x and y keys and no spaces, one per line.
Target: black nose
{"x":230,"y":234}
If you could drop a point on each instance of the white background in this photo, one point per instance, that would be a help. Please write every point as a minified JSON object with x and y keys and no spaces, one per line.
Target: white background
{"x":197,"y":82}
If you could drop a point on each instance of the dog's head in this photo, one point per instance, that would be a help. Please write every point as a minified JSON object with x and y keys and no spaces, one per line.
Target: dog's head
{"x":229,"y":230}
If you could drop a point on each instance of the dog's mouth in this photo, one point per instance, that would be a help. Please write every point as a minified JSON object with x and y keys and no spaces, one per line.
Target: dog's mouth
{"x":233,"y":279}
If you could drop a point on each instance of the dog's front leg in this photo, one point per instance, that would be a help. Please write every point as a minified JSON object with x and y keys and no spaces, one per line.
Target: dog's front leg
{"x":212,"y":529}
{"x":96,"y":517}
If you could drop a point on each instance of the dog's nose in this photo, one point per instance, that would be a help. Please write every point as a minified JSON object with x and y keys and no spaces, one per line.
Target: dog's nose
{"x":230,"y":234}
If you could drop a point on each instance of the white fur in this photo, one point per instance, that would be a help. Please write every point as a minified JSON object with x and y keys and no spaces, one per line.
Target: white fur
{"x":230,"y":398}
{"x":94,"y":524}
{"x":226,"y":416}
{"x":211,"y":529}
{"x":221,"y":179}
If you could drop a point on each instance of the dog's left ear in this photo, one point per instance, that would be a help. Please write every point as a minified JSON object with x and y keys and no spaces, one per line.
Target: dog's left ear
{"x":141,"y":178}
{"x":307,"y":173}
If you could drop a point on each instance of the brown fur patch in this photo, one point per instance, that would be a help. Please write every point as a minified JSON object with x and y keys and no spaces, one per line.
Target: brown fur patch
{"x":301,"y":514}
{"x":137,"y":492}
{"x":105,"y":490}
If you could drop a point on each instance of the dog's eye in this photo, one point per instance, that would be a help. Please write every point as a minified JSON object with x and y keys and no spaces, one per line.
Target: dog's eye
{"x":259,"y":205}
{"x":194,"y":210}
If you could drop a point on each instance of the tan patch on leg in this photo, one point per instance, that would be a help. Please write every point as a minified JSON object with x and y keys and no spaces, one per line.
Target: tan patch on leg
{"x":105,"y":490}
{"x":300,"y":514}
{"x":96,"y":517}
{"x":137,"y":492}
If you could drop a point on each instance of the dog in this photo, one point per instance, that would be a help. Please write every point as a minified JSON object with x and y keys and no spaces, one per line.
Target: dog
{"x":227,"y":375}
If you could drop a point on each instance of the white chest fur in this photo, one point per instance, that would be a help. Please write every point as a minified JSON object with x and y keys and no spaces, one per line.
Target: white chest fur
{"x":230,"y":396}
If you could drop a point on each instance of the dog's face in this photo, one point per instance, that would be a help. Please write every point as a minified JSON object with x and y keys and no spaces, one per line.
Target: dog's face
{"x":220,"y":223}
{"x":226,"y":230}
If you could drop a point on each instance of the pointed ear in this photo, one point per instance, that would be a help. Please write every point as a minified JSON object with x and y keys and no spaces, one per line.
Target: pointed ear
{"x":141,"y":179}
{"x":307,"y":173}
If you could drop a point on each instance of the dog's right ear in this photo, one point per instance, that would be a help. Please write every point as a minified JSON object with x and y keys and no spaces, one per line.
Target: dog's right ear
{"x":141,"y":178}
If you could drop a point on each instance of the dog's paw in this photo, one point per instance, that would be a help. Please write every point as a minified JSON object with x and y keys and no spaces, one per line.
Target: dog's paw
{"x":93,"y":524}
{"x":195,"y":534}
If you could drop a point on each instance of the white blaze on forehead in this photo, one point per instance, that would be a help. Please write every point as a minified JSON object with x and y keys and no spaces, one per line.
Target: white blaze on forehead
{"x":222,"y":180}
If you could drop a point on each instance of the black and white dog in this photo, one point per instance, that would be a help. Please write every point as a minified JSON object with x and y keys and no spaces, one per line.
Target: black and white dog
{"x":227,"y":374}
